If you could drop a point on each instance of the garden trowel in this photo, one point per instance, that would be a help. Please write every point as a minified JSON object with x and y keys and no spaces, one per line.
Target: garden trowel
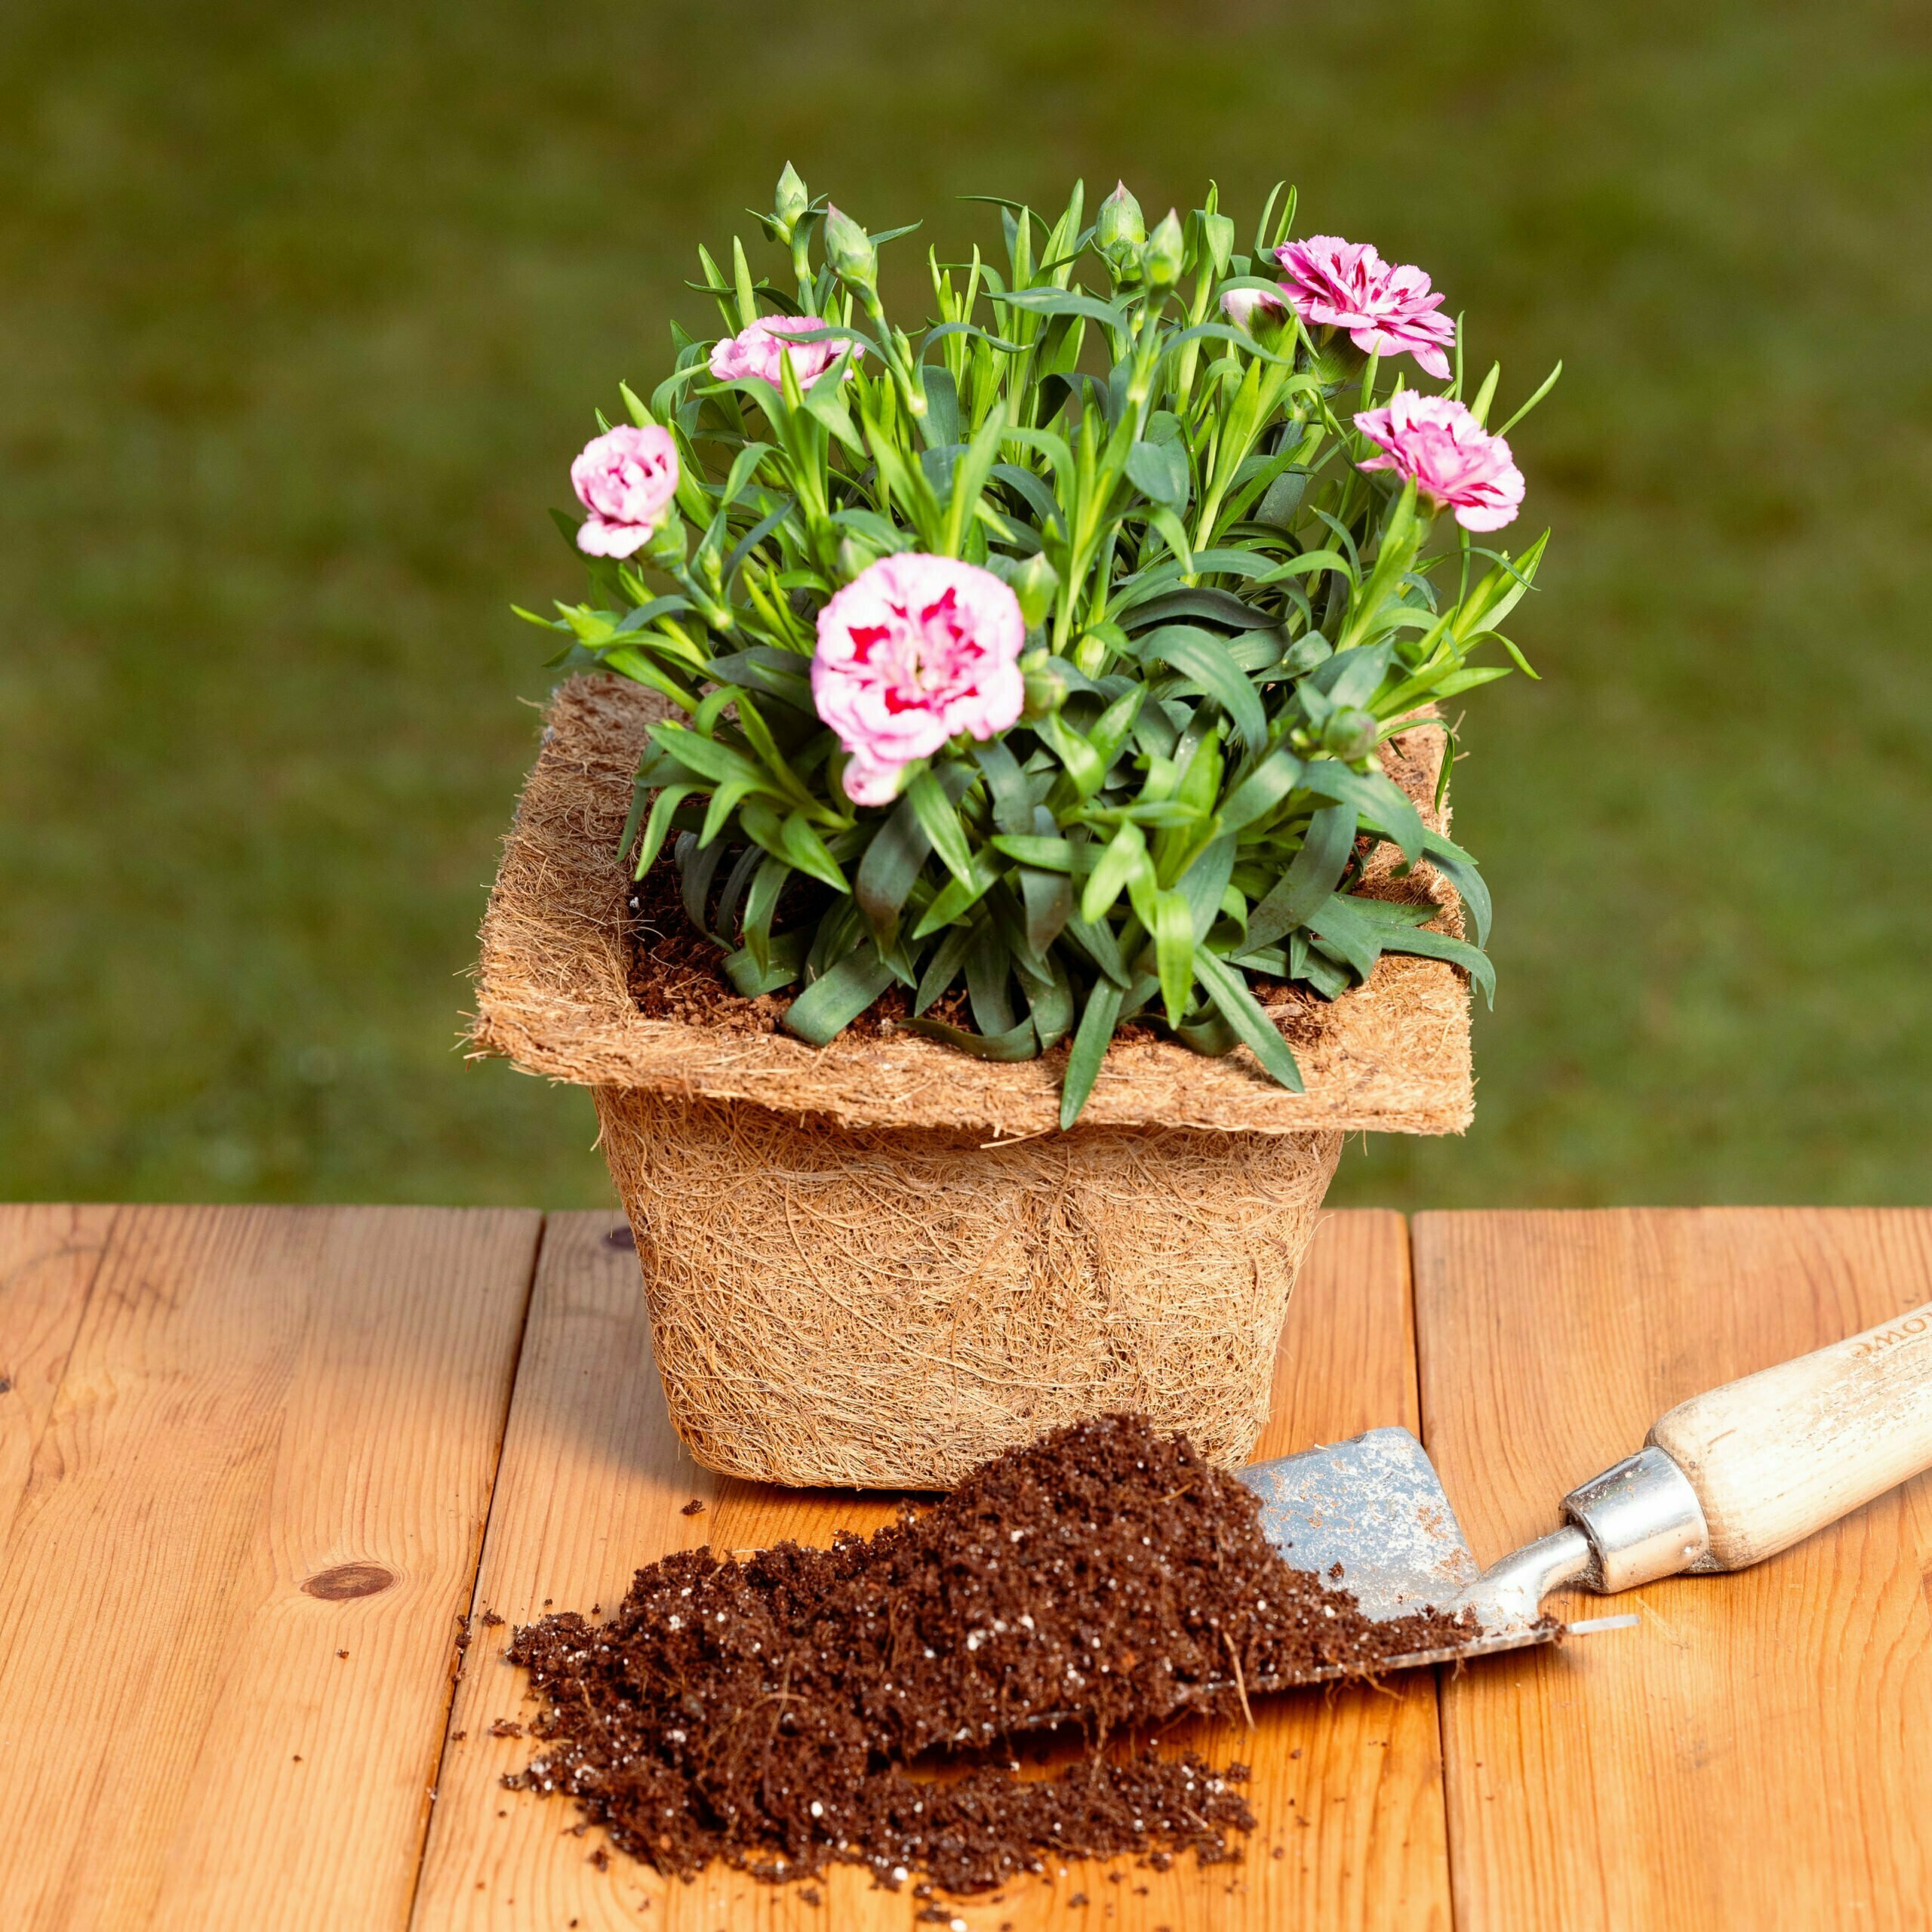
{"x":1724,"y":1480}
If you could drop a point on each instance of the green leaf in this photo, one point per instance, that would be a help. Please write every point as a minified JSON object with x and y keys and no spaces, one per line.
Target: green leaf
{"x":830,"y":1004}
{"x":1445,"y":945}
{"x":942,"y":425}
{"x":1459,"y":869}
{"x":1018,"y":1043}
{"x":1052,"y":1003}
{"x":1159,"y":470}
{"x":1054,"y":855}
{"x":1314,"y":872}
{"x":958,"y":895}
{"x":988,"y":970}
{"x":1375,"y":797}
{"x":769,"y":881}
{"x":658,"y":826}
{"x":697,"y":867}
{"x":1262,"y":790}
{"x":886,"y":874}
{"x":1218,"y":606}
{"x":1239,"y":1006}
{"x":1205,"y":881}
{"x":1126,"y":851}
{"x":1061,"y":302}
{"x":1347,"y":933}
{"x":806,"y":850}
{"x":1174,"y":952}
{"x":785,"y":961}
{"x":1090,"y":1041}
{"x":943,"y":968}
{"x":1202,"y":658}
{"x":939,"y":819}
{"x":1013,"y":809}
{"x":1047,"y":894}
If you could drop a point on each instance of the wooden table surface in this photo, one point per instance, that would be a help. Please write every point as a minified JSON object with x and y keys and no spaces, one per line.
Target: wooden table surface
{"x":256,"y":1465}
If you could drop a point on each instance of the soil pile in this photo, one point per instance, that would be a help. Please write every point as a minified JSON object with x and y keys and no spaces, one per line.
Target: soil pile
{"x":766,"y":1711}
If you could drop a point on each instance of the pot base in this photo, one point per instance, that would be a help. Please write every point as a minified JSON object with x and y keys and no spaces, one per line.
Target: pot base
{"x":883,"y":1308}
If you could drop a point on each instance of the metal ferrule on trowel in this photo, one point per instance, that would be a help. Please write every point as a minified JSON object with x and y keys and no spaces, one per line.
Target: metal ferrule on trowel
{"x":1724,"y":1480}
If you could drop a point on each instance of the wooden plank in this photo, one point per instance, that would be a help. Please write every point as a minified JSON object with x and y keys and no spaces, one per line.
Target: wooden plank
{"x":1759,"y":1752}
{"x":273,"y":1441}
{"x":48,"y":1258}
{"x":593,"y":1483}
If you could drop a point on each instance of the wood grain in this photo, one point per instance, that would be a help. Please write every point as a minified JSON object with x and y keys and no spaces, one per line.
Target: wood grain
{"x":591,"y":1485}
{"x":256,"y":1400}
{"x":48,"y":1259}
{"x":1759,"y":1752}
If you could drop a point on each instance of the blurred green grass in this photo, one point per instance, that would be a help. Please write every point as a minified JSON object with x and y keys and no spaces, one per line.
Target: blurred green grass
{"x":305,"y":311}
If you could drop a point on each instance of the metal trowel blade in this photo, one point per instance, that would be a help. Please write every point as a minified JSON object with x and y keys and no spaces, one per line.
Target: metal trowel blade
{"x":1375,"y":1506}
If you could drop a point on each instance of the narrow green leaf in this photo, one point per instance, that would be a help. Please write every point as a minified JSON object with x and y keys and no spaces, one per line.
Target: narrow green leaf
{"x":806,"y":850}
{"x":830,"y":1004}
{"x":886,"y":874}
{"x":1019,"y":1043}
{"x":1127,"y":850}
{"x":1202,"y":657}
{"x":988,"y":971}
{"x":1375,"y":797}
{"x":1229,"y":992}
{"x":956,"y":896}
{"x":1459,"y":868}
{"x":1174,"y":952}
{"x":657,"y":827}
{"x":939,"y":819}
{"x":1314,"y":873}
{"x":943,"y":968}
{"x":1262,"y":790}
{"x":1159,"y":471}
{"x":1090,"y":1041}
{"x":785,"y":961}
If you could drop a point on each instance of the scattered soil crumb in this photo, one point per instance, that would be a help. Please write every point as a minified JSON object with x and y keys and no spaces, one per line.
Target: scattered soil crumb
{"x":695,"y":1507}
{"x":506,"y":1728}
{"x":792,"y":1710}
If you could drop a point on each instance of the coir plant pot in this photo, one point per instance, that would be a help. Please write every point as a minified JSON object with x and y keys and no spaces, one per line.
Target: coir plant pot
{"x":880,"y":1262}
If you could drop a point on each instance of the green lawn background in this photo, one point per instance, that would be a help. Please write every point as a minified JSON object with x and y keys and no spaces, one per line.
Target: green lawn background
{"x":306,"y":309}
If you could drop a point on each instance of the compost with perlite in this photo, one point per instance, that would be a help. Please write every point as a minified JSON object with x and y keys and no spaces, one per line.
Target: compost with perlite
{"x":862,"y":1704}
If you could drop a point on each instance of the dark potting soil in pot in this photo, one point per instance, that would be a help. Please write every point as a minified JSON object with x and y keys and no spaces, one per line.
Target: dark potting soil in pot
{"x":675,"y":972}
{"x":767,"y":1712}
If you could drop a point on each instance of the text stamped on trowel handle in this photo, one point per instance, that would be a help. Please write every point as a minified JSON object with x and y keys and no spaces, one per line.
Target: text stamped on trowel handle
{"x":1783,"y":1452}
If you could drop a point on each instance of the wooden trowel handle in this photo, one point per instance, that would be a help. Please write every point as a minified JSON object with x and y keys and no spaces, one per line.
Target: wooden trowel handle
{"x":1784,"y":1452}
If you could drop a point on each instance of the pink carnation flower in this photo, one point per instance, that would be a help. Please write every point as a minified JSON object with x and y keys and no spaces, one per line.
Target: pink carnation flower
{"x":625,"y":478}
{"x":1334,"y":283}
{"x":914,"y":650}
{"x":759,"y":350}
{"x":1451,"y":458}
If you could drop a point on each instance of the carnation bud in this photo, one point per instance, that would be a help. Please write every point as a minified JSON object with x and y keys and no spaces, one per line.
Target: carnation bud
{"x":1258,"y":314}
{"x":1034,"y":582}
{"x":1046,"y":687}
{"x":849,"y":249}
{"x":791,"y":201}
{"x":1350,"y":734}
{"x":668,"y":541}
{"x":1161,"y":259}
{"x":854,"y":558}
{"x":1119,"y":229}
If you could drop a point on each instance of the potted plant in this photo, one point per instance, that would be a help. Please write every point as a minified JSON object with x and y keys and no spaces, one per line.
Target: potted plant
{"x":994,"y":843}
